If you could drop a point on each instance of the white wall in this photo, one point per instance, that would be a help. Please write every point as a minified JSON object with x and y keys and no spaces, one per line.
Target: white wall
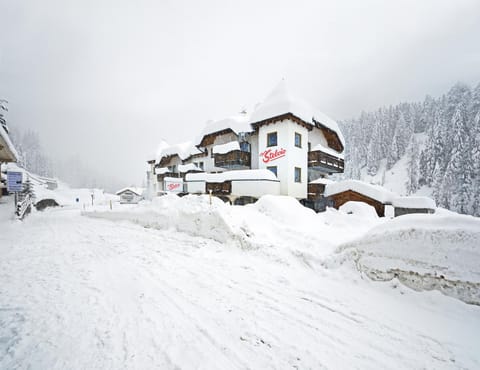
{"x":255,"y":188}
{"x":195,"y":187}
{"x":294,"y":157}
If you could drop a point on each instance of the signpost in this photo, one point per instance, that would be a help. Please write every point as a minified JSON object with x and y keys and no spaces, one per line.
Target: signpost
{"x":14,"y":181}
{"x":15,"y":184}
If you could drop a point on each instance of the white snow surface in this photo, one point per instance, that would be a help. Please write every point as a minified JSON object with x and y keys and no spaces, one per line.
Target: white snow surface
{"x":161,"y":170}
{"x":281,"y":101}
{"x":439,"y":251}
{"x":182,"y":168}
{"x":372,"y":191}
{"x":327,"y":150}
{"x":183,"y":150}
{"x":225,"y":148}
{"x":322,"y":180}
{"x":238,"y":123}
{"x":414,"y":202}
{"x":185,"y":283}
{"x":258,"y":174}
{"x":360,"y":209}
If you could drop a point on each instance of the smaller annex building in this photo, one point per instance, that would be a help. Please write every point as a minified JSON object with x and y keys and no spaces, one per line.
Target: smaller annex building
{"x":130,"y":195}
{"x":337,"y":194}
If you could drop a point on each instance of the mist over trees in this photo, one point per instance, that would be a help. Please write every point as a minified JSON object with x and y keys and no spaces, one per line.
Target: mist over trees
{"x":68,"y":168}
{"x":447,"y":160}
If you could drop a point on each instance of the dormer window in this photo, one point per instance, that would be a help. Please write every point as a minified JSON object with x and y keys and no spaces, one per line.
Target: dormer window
{"x":272,"y":139}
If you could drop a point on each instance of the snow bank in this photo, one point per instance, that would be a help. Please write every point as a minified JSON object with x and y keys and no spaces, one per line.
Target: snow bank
{"x":278,"y":226}
{"x":425,"y":252}
{"x":359,"y":209}
{"x":225,"y":148}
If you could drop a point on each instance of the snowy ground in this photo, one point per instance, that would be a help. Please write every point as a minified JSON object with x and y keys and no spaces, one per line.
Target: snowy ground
{"x":228,"y":287}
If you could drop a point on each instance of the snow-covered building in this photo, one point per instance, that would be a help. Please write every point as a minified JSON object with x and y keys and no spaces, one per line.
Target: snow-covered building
{"x":337,"y":194}
{"x":8,"y":152}
{"x":283,"y":136}
{"x":130,"y":195}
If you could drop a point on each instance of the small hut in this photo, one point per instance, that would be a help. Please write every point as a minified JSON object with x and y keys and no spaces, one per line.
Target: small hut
{"x":130,"y":195}
{"x":342,"y":192}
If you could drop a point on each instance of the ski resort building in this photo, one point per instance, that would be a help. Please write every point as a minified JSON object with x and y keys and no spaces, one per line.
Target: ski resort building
{"x":280,"y":148}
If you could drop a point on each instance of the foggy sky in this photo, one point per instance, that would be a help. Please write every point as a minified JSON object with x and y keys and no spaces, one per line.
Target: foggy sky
{"x":107,"y":80}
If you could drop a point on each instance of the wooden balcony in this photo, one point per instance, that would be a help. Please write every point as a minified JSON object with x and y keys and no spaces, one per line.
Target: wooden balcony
{"x":234,"y":160}
{"x":324,"y":162}
{"x":219,"y":188}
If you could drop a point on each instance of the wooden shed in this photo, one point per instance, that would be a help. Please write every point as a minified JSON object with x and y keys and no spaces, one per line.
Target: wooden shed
{"x":353,"y":190}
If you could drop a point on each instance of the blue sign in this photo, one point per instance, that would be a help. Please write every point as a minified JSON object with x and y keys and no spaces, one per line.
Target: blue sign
{"x":14,"y":181}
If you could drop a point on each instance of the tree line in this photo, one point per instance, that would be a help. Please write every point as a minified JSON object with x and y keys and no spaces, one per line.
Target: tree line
{"x":447,"y":159}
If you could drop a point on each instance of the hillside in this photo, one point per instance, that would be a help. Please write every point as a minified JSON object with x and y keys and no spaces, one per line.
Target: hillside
{"x":430,"y":147}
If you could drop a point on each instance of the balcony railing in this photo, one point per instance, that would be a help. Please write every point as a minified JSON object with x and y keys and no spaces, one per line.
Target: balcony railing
{"x":236,"y":159}
{"x":319,"y":160}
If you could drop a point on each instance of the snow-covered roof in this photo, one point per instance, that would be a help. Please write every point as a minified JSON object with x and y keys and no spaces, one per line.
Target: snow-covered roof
{"x":183,"y":150}
{"x":225,"y":148}
{"x":182,"y":168}
{"x":281,"y":101}
{"x":161,"y":170}
{"x":138,"y":191}
{"x":8,"y":143}
{"x":260,"y":174}
{"x":376,"y":192}
{"x":414,"y":202}
{"x":173,"y":179}
{"x":321,"y":180}
{"x":327,"y":150}
{"x":238,"y":123}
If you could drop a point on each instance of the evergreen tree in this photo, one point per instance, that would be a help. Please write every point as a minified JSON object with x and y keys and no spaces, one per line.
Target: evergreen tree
{"x":413,"y":169}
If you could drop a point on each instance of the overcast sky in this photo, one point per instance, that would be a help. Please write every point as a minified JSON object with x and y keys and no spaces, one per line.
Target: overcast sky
{"x":107,"y":80}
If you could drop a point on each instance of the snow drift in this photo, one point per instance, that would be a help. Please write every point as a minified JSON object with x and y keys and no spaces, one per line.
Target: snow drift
{"x":425,"y":252}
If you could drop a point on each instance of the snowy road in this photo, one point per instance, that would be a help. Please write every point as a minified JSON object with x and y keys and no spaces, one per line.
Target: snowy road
{"x":83,"y":293}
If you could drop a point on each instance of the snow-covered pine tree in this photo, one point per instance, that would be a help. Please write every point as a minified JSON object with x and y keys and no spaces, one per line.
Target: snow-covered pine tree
{"x":413,"y":168}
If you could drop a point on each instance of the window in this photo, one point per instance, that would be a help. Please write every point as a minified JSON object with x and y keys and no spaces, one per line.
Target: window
{"x":200,"y":165}
{"x":298,"y":174}
{"x":309,"y":147}
{"x":298,"y":140}
{"x":272,"y":139}
{"x":273,"y":169}
{"x":245,"y":146}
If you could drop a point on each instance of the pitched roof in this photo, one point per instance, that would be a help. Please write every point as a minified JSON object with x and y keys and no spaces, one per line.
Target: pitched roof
{"x":280,"y":101}
{"x":183,"y":150}
{"x":237,"y":124}
{"x":375,"y":192}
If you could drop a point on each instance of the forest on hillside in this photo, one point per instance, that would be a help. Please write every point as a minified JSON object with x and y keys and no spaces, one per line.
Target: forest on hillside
{"x":447,"y":161}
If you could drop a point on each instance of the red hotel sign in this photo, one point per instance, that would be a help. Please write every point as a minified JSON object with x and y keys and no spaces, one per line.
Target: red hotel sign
{"x":173,"y":186}
{"x":270,"y":154}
